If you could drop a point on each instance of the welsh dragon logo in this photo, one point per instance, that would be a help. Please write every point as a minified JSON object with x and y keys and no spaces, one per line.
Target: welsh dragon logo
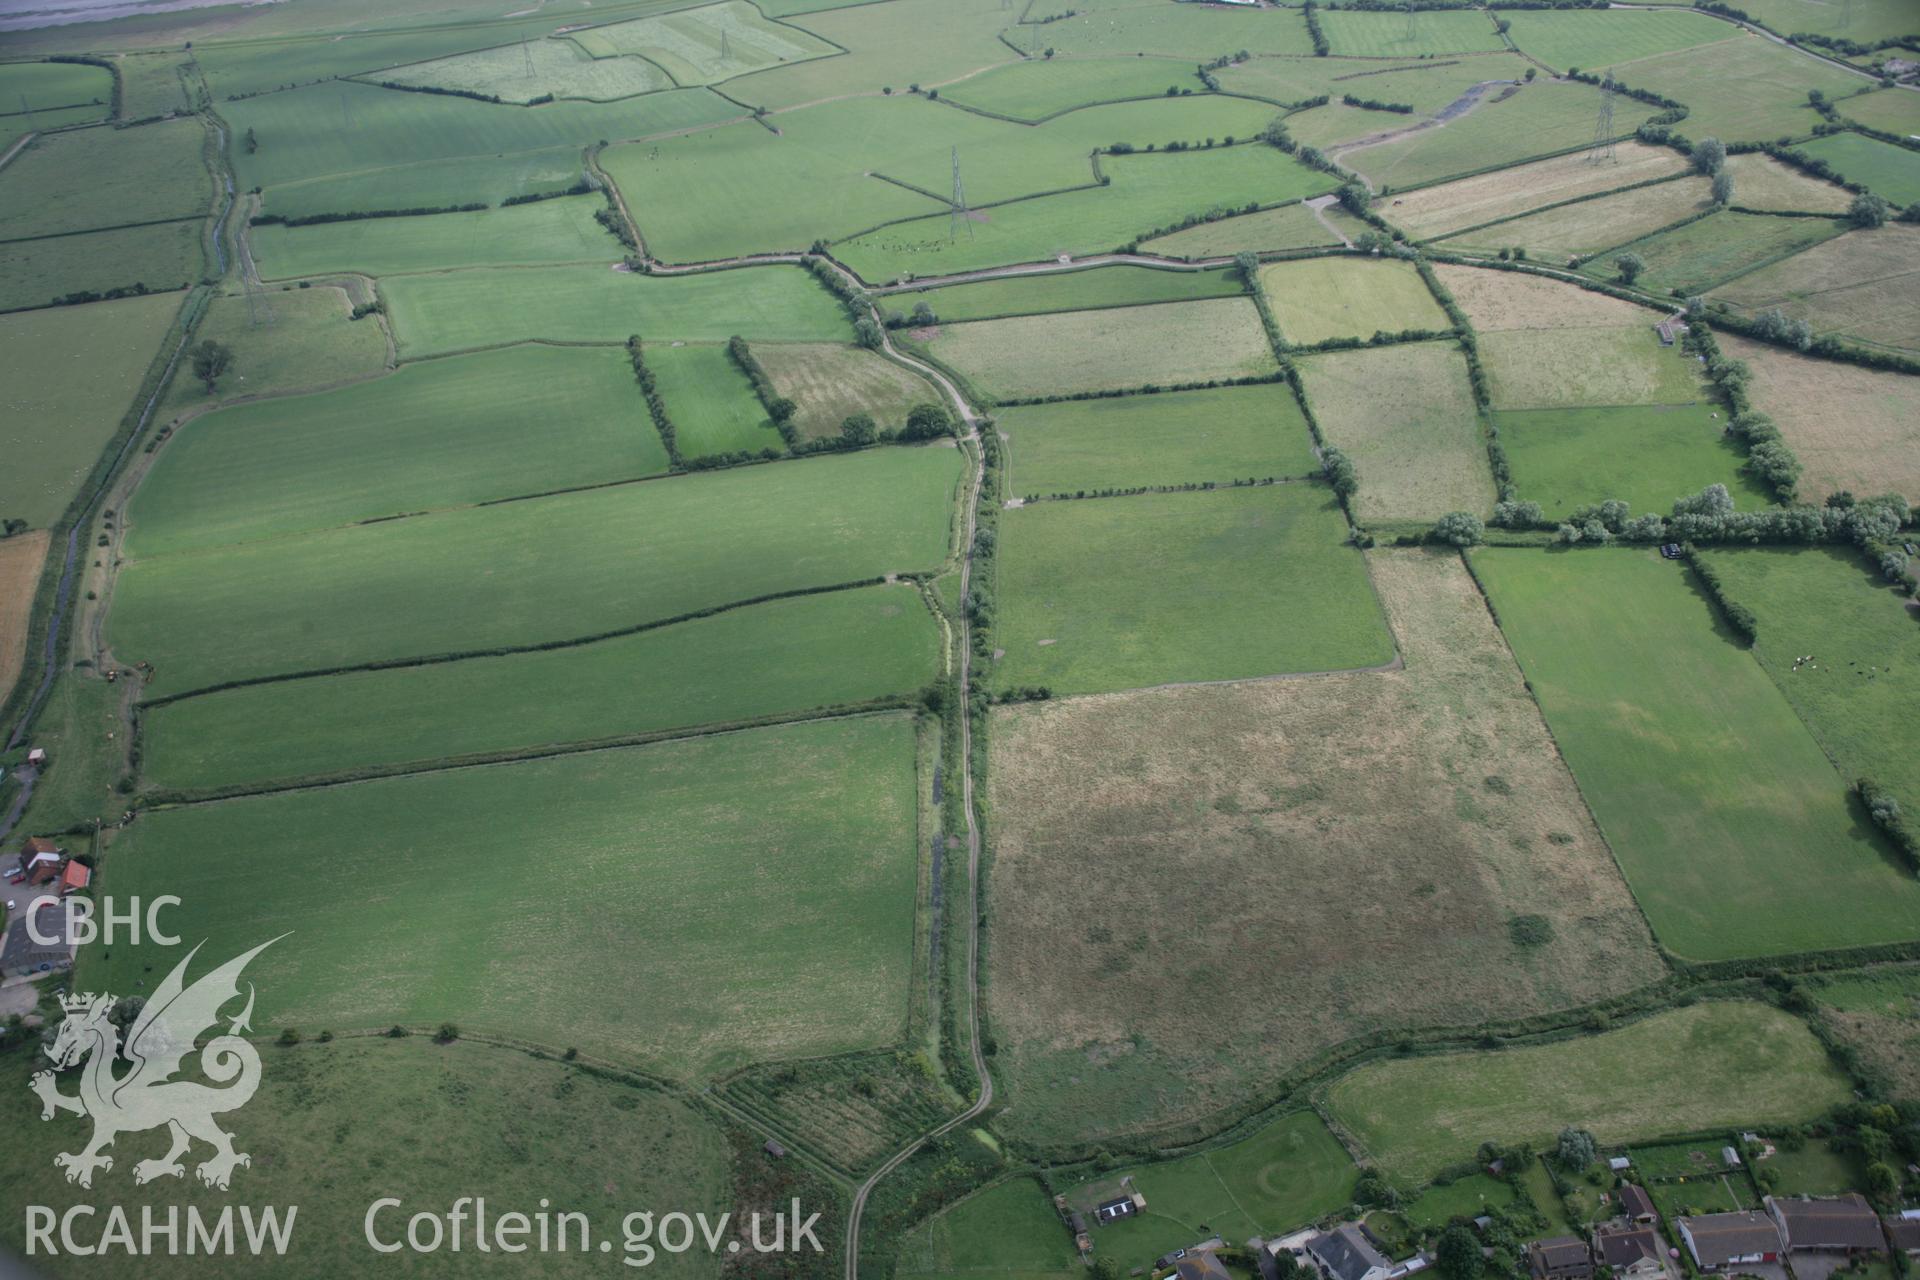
{"x":147,"y":1097}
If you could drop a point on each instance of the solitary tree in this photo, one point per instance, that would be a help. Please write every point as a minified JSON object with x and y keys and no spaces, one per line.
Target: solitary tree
{"x":1247,"y":264}
{"x":1868,"y":210}
{"x":1709,"y":155}
{"x":926,"y":421}
{"x":253,"y":143}
{"x":867,"y":332}
{"x":1355,"y":199}
{"x":1723,"y":187}
{"x":210,"y":360}
{"x":1629,"y":265}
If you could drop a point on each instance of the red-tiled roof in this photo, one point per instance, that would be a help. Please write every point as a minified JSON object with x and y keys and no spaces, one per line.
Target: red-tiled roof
{"x":75,"y":876}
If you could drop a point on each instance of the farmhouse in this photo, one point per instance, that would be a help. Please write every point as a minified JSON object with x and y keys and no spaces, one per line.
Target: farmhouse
{"x":1345,"y":1253}
{"x":20,"y":954}
{"x":39,"y":860}
{"x":1721,"y":1241}
{"x":1637,"y":1206}
{"x":1844,"y":1225}
{"x":1560,"y":1258}
{"x":1621,"y":1247}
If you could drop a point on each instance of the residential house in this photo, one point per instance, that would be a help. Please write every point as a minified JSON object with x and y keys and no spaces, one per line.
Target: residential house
{"x":1200,"y":1264}
{"x":1844,"y":1225}
{"x":1560,"y":1258}
{"x":1345,"y":1253}
{"x":1725,"y":1241}
{"x":1637,"y":1206}
{"x":20,"y":954}
{"x":39,"y":860}
{"x":1618,"y":1248}
{"x":1904,"y":1232}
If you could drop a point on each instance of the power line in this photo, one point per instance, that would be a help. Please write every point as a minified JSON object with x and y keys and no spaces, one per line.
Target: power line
{"x":1602,"y":148}
{"x":960,"y":213}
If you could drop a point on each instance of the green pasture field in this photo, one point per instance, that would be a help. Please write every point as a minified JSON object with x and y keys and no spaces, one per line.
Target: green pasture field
{"x":1739,"y":90}
{"x":84,"y":736}
{"x":1865,"y":20}
{"x":1504,"y":194}
{"x":432,"y":1122}
{"x":1291,"y":226}
{"x":164,"y":256}
{"x":1333,"y":125}
{"x":1861,"y":693}
{"x":706,"y":45}
{"x":1427,"y":85}
{"x":1705,"y":254}
{"x":1405,"y":416}
{"x":93,"y":178}
{"x":1708,"y":1065}
{"x":841,"y":168}
{"x":1283,"y":1177}
{"x":1467,"y":1198}
{"x":1894,"y":110}
{"x":1540,"y":119}
{"x":1357,"y":33}
{"x":767,"y":659}
{"x":1761,"y":182}
{"x":1644,"y":455}
{"x":1159,"y":345}
{"x":831,"y":381}
{"x":559,"y":67}
{"x":245,"y":67}
{"x":1009,"y":1230}
{"x":150,"y":83}
{"x":1088,"y":290}
{"x":742,"y":189}
{"x":16,"y":126}
{"x":1176,"y":437}
{"x":1597,"y":226}
{"x":1147,"y":193}
{"x":1174,"y":31}
{"x":412,"y":587}
{"x":1175,"y":801}
{"x":1038,"y":89}
{"x":1578,"y":368}
{"x":430,"y":436}
{"x":72,"y":375}
{"x":545,"y":231}
{"x":1316,"y":299}
{"x":34,"y":87}
{"x":710,"y":400}
{"x":1736,"y":833}
{"x":1886,"y":170}
{"x":1594,"y":41}
{"x":287,"y":340}
{"x":1856,"y":286}
{"x":678,"y":848}
{"x":893,"y":45}
{"x":1888,"y":990}
{"x":1119,"y":593}
{"x":461,"y":310}
{"x":346,"y":146}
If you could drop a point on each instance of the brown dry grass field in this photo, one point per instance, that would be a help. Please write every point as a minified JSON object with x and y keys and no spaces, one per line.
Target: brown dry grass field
{"x":1852,"y":428}
{"x":1193,"y":889}
{"x":1591,"y":226}
{"x":831,"y":382}
{"x":1859,"y":286}
{"x":1761,"y":182}
{"x":1507,"y":193}
{"x":1496,"y":301}
{"x":1889,"y":1045}
{"x":20,"y":560}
